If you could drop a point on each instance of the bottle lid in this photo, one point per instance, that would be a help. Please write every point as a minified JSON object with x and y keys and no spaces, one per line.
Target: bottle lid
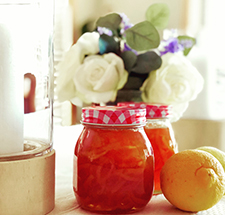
{"x":113,"y":115}
{"x":153,"y":110}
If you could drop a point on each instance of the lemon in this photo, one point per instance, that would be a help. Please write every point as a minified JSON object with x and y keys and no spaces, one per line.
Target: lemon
{"x":218,"y":154}
{"x":192,"y":180}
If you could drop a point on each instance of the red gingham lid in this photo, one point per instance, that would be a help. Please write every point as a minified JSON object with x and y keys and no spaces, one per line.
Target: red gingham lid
{"x":113,"y":115}
{"x":152,"y":110}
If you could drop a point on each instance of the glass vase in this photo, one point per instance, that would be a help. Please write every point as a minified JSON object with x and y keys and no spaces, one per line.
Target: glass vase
{"x":26,"y":78}
{"x":27,"y":157}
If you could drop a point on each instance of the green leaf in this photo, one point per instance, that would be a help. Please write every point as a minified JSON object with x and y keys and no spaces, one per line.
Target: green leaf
{"x":110,"y":21}
{"x":147,"y":62}
{"x":187,"y":42}
{"x":142,"y":36}
{"x":108,"y":44}
{"x":135,"y":81}
{"x":158,"y":14}
{"x":129,"y":59}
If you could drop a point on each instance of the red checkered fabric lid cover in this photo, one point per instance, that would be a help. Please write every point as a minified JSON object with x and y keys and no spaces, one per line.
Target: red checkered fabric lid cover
{"x":114,"y":115}
{"x":152,"y":110}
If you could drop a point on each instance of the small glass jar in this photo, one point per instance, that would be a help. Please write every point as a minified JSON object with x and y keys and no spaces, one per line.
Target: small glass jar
{"x":113,"y":161}
{"x":160,"y":133}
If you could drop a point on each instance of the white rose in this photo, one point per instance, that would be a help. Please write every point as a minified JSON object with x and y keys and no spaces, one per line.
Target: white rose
{"x":100,"y":77}
{"x":176,"y":82}
{"x":84,"y":74}
{"x":87,"y":44}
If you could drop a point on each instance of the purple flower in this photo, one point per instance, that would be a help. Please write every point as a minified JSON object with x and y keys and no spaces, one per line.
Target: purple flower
{"x":125,"y":23}
{"x":103,"y":30}
{"x":127,"y":48}
{"x":186,"y":43}
{"x":172,"y":46}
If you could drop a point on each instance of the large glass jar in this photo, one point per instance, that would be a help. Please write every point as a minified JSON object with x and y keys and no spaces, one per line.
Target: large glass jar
{"x":113,"y":161}
{"x":160,"y":133}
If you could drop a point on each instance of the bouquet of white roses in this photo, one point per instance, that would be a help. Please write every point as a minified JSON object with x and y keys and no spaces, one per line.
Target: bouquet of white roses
{"x":121,"y":56}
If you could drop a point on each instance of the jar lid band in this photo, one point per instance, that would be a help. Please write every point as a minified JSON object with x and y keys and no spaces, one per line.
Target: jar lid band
{"x":158,"y":111}
{"x":114,"y":115}
{"x":153,"y":110}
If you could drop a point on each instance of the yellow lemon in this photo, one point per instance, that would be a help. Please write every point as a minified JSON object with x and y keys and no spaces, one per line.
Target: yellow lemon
{"x":218,"y":154}
{"x":192,"y":180}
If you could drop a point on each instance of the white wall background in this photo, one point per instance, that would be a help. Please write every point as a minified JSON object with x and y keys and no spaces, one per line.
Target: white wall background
{"x":85,"y":10}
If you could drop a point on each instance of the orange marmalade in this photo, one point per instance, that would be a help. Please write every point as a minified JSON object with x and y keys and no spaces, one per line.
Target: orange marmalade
{"x":113,"y":162}
{"x":160,"y":133}
{"x":162,"y":140}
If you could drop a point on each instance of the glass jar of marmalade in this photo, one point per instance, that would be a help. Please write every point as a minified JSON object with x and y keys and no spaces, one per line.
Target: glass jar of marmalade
{"x":160,"y":133}
{"x":113,"y":161}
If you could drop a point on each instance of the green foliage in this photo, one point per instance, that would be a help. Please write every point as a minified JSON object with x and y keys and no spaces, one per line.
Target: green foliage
{"x":108,"y":44}
{"x":110,"y":21}
{"x":147,"y":62}
{"x":134,"y":81}
{"x":187,"y":39}
{"x":142,"y":36}
{"x":158,"y":15}
{"x":129,"y":59}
